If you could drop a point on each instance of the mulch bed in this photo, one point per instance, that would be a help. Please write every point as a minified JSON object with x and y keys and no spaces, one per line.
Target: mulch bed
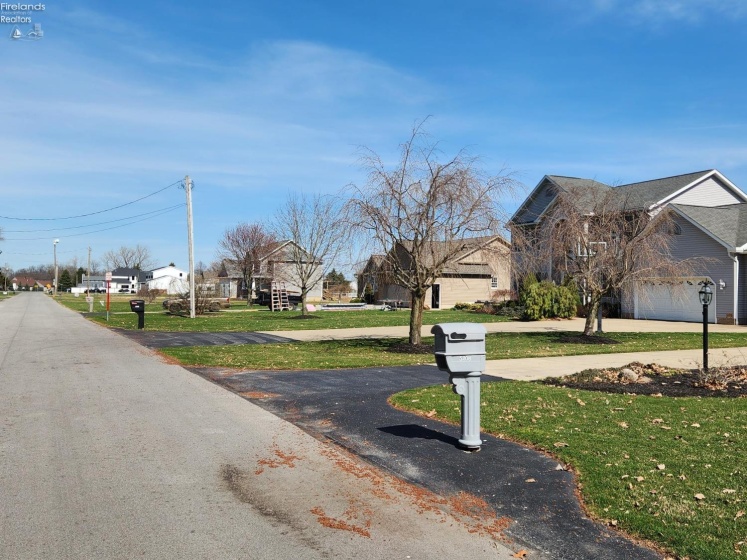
{"x":406,"y":348}
{"x":652,"y":379}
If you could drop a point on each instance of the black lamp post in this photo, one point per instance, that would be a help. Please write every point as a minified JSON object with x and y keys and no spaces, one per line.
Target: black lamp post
{"x":706,"y":296}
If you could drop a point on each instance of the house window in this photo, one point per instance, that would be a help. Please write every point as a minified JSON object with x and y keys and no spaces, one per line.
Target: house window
{"x":494,"y":283}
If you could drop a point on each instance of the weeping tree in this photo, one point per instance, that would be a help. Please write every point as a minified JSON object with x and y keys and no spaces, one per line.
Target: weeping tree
{"x":423,"y":212}
{"x":601,"y":239}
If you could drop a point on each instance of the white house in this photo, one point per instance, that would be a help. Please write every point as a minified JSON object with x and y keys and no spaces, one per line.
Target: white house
{"x":124,"y":281}
{"x":168,"y":278}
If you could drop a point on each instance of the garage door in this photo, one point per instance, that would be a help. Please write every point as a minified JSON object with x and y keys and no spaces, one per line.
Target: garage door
{"x":672,"y":302}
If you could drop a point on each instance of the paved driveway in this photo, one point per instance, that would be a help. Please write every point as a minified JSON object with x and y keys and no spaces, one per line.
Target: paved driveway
{"x":160,"y":339}
{"x":350,"y":407}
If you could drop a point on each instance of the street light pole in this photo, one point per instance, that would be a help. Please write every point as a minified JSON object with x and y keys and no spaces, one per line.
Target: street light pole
{"x":54,"y":243}
{"x":705,"y":294}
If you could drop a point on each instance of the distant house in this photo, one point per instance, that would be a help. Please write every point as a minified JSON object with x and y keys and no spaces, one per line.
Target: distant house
{"x":124,"y":281}
{"x":167,"y":278}
{"x":710,"y":222}
{"x":278,"y":265}
{"x":480,"y":272}
{"x":31,"y":284}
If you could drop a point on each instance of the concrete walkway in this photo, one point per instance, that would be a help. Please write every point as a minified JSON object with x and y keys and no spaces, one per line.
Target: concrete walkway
{"x":569,"y":325}
{"x":527,"y":369}
{"x":539,"y":368}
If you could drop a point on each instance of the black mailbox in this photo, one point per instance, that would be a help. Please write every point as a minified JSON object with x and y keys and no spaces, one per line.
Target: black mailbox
{"x":138,"y":306}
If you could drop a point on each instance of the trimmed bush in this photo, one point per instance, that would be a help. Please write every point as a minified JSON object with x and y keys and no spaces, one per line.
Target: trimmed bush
{"x":545,"y":300}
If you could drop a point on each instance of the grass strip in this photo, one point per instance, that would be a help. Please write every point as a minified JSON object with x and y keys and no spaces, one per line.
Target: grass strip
{"x":669,"y":470}
{"x":332,"y":354}
{"x":242,"y":319}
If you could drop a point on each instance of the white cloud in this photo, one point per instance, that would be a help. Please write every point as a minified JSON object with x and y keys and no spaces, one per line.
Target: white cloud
{"x":659,"y":12}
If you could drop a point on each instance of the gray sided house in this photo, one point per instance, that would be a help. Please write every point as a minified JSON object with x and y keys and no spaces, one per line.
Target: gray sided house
{"x":480,"y":272}
{"x":278,"y":265}
{"x":710,"y":222}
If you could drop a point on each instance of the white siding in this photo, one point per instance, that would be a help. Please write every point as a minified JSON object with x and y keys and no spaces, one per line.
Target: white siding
{"x":708,"y":193}
{"x":665,"y":300}
{"x":717,"y":265}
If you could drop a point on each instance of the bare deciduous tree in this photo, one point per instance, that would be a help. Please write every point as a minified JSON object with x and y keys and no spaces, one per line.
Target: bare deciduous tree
{"x":242,"y":247}
{"x":425,"y":211}
{"x":603,"y":241}
{"x":315,"y":226}
{"x":137,"y":257}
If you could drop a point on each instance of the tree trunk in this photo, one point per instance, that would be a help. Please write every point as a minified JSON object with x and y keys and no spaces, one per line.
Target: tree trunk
{"x":591,"y":317}
{"x":416,"y":317}
{"x":303,"y":301}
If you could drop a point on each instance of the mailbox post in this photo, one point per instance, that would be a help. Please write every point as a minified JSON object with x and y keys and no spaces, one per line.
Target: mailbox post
{"x":460,"y":350}
{"x":138,"y":306}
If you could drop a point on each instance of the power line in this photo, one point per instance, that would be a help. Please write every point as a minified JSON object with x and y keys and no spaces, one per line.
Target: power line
{"x":99,"y":230}
{"x":95,"y":224}
{"x":92,"y":213}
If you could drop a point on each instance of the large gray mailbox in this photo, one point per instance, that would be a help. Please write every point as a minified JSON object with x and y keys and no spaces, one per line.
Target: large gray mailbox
{"x":460,"y":350}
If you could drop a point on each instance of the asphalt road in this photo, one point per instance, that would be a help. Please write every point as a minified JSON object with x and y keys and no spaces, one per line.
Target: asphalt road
{"x":106,"y":451}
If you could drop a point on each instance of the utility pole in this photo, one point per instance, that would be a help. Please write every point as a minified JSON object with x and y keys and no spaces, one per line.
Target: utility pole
{"x":54,"y":243}
{"x":89,"y":297}
{"x":190,"y":246}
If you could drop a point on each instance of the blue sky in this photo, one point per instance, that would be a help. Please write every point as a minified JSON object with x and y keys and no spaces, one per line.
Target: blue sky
{"x":258,"y":99}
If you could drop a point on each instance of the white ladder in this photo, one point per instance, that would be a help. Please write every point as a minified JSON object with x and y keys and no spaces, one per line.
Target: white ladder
{"x":279,"y":297}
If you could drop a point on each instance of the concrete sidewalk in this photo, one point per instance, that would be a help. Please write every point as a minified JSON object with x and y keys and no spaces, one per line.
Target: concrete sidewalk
{"x":538,"y":368}
{"x":569,"y":325}
{"x":527,"y":369}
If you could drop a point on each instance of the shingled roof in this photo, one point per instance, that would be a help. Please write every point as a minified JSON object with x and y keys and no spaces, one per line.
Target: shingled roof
{"x":646,"y":193}
{"x":632,"y":196}
{"x":728,"y":223}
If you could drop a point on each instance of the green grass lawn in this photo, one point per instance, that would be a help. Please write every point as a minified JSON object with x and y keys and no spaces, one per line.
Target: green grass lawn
{"x":670,"y":470}
{"x":240,"y":318}
{"x":378,"y":352}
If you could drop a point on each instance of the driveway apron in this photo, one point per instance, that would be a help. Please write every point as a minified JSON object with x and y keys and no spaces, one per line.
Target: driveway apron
{"x":350,"y":407}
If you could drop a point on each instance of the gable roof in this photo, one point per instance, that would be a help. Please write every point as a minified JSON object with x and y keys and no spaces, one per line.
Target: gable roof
{"x":644,"y":194}
{"x":280,"y":245}
{"x":25,"y":280}
{"x":650,"y":193}
{"x":726,"y":224}
{"x":230,"y":270}
{"x":439,"y":249}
